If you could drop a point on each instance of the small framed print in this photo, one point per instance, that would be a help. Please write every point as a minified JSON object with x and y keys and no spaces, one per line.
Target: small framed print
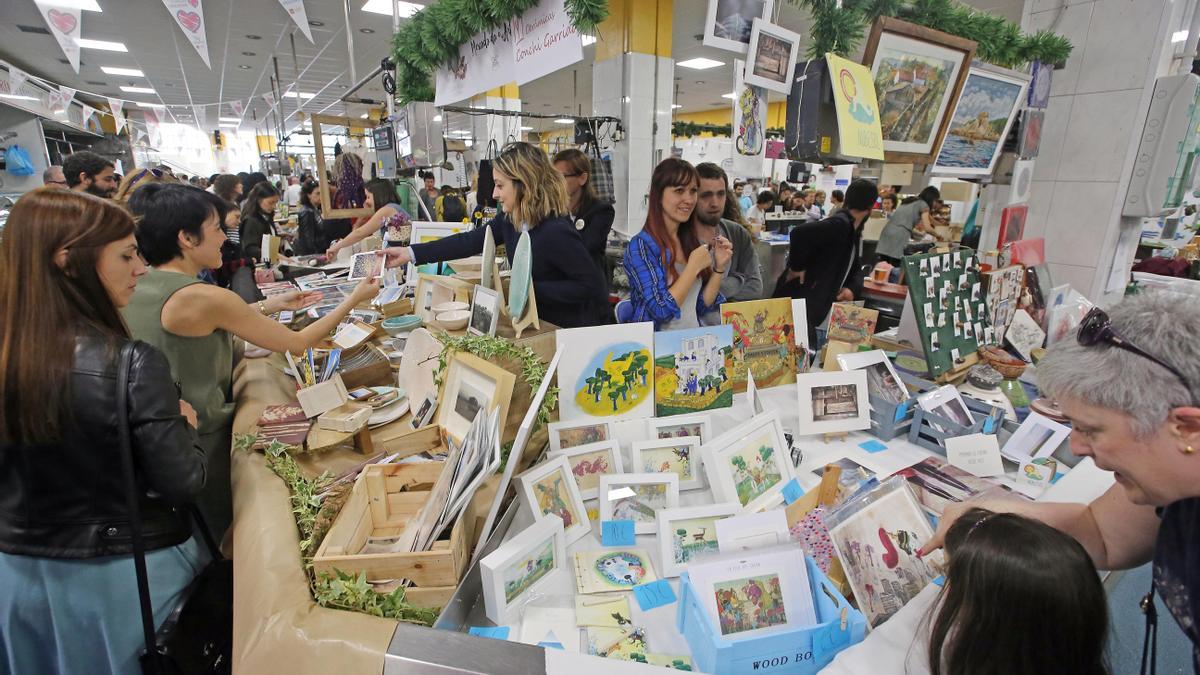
{"x":955,"y":356}
{"x":749,"y":464}
{"x":485,"y":312}
{"x":638,"y":497}
{"x":565,"y":435}
{"x":424,"y":413}
{"x":688,"y":534}
{"x":771,"y":58}
{"x":755,"y":595}
{"x":680,"y":456}
{"x":550,"y":489}
{"x":589,"y":462}
{"x":678,"y":426}
{"x":929,"y":287}
{"x":924,"y":263}
{"x":941,"y":321}
{"x":928,"y":307}
{"x":471,"y":384}
{"x":934,"y":343}
{"x":729,"y":22}
{"x":833,"y":402}
{"x":520,"y":566}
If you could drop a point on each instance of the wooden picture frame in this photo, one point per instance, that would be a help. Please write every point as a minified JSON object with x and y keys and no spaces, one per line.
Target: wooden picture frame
{"x":892,"y":33}
{"x":469,"y":375}
{"x":327,"y":210}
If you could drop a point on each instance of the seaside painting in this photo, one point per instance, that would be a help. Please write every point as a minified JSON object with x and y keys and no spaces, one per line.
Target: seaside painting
{"x":984,"y":114}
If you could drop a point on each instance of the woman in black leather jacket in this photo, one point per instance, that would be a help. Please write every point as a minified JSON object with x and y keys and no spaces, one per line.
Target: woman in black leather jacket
{"x":68,"y":595}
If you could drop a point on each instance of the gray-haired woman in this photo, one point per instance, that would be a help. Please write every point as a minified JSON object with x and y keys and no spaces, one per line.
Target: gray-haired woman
{"x":1128,"y":383}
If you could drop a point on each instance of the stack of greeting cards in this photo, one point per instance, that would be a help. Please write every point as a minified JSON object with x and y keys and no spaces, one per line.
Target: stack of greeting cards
{"x":284,"y":423}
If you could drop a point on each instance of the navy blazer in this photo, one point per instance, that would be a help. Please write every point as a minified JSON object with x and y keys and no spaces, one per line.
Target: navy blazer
{"x":569,"y":287}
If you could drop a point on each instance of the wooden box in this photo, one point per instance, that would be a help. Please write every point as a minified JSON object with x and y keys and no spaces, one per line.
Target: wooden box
{"x":384,"y":498}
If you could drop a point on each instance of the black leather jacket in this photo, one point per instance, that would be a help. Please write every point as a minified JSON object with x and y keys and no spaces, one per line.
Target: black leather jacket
{"x":67,"y":499}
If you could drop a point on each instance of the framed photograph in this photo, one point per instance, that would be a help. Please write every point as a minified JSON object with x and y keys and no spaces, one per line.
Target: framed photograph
{"x":833,"y":402}
{"x":550,"y":489}
{"x":754,"y":595}
{"x":607,"y":373}
{"x":485,"y":312}
{"x":680,"y":456}
{"x":565,"y":435}
{"x":424,"y":413}
{"x":937,"y":484}
{"x":1012,"y":224}
{"x":883,"y":380}
{"x":589,"y":462}
{"x":918,"y":75}
{"x":638,"y":497}
{"x":689,"y":533}
{"x":520,"y":566}
{"x":749,"y":464}
{"x":729,"y":22}
{"x":1038,"y":436}
{"x":693,"y":370}
{"x":368,"y":265}
{"x":985,"y":112}
{"x":771,"y":60}
{"x":678,"y":426}
{"x":1024,"y":334}
{"x":472,"y":384}
{"x":945,"y":401}
{"x":424,"y":232}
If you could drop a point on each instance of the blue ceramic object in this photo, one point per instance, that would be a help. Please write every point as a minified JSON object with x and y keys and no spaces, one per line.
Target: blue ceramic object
{"x":518,"y":287}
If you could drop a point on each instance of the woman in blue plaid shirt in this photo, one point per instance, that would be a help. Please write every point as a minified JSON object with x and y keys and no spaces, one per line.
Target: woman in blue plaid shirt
{"x":674,"y":279}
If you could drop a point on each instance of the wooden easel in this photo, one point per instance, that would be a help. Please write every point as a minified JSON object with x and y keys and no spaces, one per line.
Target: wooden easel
{"x":530,"y":317}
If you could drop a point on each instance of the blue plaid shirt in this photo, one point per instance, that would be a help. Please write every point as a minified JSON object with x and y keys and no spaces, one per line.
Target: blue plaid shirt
{"x":649,"y":290}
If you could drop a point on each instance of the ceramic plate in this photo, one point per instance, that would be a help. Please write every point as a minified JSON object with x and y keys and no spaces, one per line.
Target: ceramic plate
{"x":518,"y":287}
{"x":489,"y":260}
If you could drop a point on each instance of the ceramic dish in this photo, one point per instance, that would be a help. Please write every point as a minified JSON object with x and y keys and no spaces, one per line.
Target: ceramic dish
{"x":450,"y":307}
{"x":456,"y":320}
{"x":388,"y":413}
{"x":518,"y":287}
{"x":401,"y":324}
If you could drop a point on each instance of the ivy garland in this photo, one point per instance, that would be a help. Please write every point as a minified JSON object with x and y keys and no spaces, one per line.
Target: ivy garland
{"x":839,"y":29}
{"x":432,"y":36}
{"x":692,"y":129}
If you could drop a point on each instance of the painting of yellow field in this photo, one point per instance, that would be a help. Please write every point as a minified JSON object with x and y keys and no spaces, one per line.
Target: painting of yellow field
{"x":764,"y":340}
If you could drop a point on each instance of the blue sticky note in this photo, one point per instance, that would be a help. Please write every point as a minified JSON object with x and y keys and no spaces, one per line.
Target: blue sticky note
{"x":495,"y":632}
{"x":792,"y":491}
{"x":828,"y":640}
{"x":550,"y":645}
{"x":617,"y":533}
{"x":873,"y":446}
{"x":940,"y":581}
{"x":654,"y":594}
{"x":1057,"y":475}
{"x":989,"y":425}
{"x":901,"y":410}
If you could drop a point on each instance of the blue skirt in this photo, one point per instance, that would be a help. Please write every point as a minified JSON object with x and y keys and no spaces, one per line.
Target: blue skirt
{"x":61,"y":615}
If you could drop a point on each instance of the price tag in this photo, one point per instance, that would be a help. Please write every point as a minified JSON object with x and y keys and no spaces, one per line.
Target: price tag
{"x":792,"y":491}
{"x":617,"y":533}
{"x":654,"y":594}
{"x":494,"y":632}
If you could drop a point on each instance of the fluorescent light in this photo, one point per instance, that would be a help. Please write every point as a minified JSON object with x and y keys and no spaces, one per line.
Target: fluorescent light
{"x":365,"y":115}
{"x":18,"y":97}
{"x":437,"y":118}
{"x":60,"y":111}
{"x":86,"y":5}
{"x":526,"y":128}
{"x":730,"y":95}
{"x":104,"y":45}
{"x":1179,"y":36}
{"x":138,"y":90}
{"x":229,"y":124}
{"x":132,"y":72}
{"x":468,"y":143}
{"x":150,"y":105}
{"x":564,"y":120}
{"x":292,"y":94}
{"x":229,"y":119}
{"x":700,"y":63}
{"x":589,"y":40}
{"x":407,"y":9}
{"x":675,"y":106}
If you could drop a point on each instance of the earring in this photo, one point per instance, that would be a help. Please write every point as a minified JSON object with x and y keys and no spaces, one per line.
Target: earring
{"x":1189,"y":450}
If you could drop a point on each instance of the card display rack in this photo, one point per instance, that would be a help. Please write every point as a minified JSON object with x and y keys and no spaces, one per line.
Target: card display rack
{"x":948,"y":304}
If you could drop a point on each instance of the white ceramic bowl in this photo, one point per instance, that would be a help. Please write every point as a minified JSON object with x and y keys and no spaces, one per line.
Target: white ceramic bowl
{"x":451,"y":307}
{"x":456,"y":320}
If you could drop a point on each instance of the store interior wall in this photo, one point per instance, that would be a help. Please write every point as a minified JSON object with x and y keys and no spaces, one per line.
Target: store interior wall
{"x":29,"y":136}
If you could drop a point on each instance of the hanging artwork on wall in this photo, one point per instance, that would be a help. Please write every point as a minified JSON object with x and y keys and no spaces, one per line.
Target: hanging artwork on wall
{"x":693,"y":370}
{"x":1039,"y":86}
{"x":771,"y":61}
{"x":607,"y":373}
{"x":918,"y":75}
{"x":749,"y":122}
{"x":729,"y":22}
{"x":980,"y":123}
{"x":1031,"y":133}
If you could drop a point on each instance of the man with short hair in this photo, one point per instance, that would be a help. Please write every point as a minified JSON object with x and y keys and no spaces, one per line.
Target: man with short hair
{"x":54,"y":175}
{"x":743,"y":279}
{"x":88,"y":172}
{"x":757,"y":214}
{"x":293,"y":192}
{"x":836,"y":199}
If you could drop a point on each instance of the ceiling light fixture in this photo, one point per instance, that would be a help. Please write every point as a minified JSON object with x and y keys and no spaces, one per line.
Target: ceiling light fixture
{"x":292,"y":94}
{"x":137,"y":90}
{"x":86,"y":5}
{"x":365,"y":115}
{"x":526,"y":128}
{"x":1179,"y":36}
{"x":18,"y":97}
{"x":141,"y":104}
{"x":229,"y":119}
{"x":229,"y":124}
{"x":675,"y":106}
{"x":104,"y":45}
{"x":730,"y":95}
{"x":407,"y":9}
{"x":131,"y":72}
{"x":564,"y":120}
{"x":700,"y":63}
{"x":367,"y":31}
{"x":437,"y":118}
{"x":253,"y":37}
{"x":249,"y":54}
{"x":316,"y":24}
{"x":244,"y":67}
{"x":589,"y":40}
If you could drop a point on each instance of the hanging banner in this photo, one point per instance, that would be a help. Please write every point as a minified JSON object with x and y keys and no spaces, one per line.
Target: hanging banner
{"x":859,"y":133}
{"x":749,"y":115}
{"x":270,"y":99}
{"x":484,"y":62}
{"x":114,"y":107}
{"x":295,"y":9}
{"x":201,"y":113}
{"x":16,"y":79}
{"x":60,"y":98}
{"x":237,"y":108}
{"x":189,"y":16}
{"x":64,"y":25}
{"x":68,"y":95}
{"x":544,"y":41}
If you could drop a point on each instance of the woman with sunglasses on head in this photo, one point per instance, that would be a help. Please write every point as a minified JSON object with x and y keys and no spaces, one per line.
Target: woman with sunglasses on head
{"x":68,"y":594}
{"x":1128,"y":385}
{"x":568,"y":286}
{"x":134,"y":181}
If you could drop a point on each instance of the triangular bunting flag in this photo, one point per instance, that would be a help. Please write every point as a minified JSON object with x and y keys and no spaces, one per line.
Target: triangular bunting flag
{"x":16,"y":79}
{"x":114,"y":107}
{"x":87,"y":114}
{"x":68,"y":95}
{"x":201,"y":114}
{"x":295,"y":9}
{"x":270,"y":99}
{"x":64,"y":25}
{"x":189,"y":16}
{"x":237,"y":108}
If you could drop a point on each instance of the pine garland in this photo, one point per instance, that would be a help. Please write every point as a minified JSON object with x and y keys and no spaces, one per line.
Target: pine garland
{"x":432,"y":36}
{"x":692,"y":129}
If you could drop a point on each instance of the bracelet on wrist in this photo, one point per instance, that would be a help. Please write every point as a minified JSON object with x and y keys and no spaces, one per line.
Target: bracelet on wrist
{"x":262,"y":307}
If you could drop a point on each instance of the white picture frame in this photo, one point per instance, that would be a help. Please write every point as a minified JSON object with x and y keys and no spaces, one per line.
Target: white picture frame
{"x":1038,"y":436}
{"x":748,"y":531}
{"x":980,"y":89}
{"x":782,"y":569}
{"x":582,"y":459}
{"x":766,"y":66}
{"x":736,"y":23}
{"x":833,"y":402}
{"x":673,"y":425}
{"x":679,"y":455}
{"x":614,"y":506}
{"x":485,"y":312}
{"x":424,"y":232}
{"x":945,"y":401}
{"x":564,"y":435}
{"x":878,"y":368}
{"x":545,"y":537}
{"x":722,"y":469}
{"x":563,"y":493}
{"x":673,"y":550}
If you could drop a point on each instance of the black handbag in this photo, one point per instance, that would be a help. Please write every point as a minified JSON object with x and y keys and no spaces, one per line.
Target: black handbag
{"x":197,"y":637}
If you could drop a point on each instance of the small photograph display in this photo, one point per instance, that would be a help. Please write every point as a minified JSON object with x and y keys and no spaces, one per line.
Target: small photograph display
{"x":589,"y":462}
{"x":609,"y":570}
{"x":941,"y":315}
{"x":768,"y":340}
{"x":550,"y":489}
{"x":1024,"y":334}
{"x":833,"y":402}
{"x":692,"y":370}
{"x":608,"y":372}
{"x":680,"y":456}
{"x":485,"y":312}
{"x":1037,"y":437}
{"x":883,"y":380}
{"x":749,"y":464}
{"x":687,"y":534}
{"x":759,"y":594}
{"x":945,"y":401}
{"x":565,"y":435}
{"x":679,"y":426}
{"x":1003,"y":293}
{"x":638,"y":497}
{"x":521,"y":565}
{"x":937,"y":484}
{"x":729,"y":22}
{"x":472,"y":384}
{"x":367,"y":265}
{"x":771,"y":60}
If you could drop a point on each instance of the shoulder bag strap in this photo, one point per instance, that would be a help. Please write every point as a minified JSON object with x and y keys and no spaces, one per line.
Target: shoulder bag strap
{"x":131,"y":498}
{"x":1150,"y":641}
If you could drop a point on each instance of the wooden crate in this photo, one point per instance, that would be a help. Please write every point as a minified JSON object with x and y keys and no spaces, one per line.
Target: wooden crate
{"x":384,"y":498}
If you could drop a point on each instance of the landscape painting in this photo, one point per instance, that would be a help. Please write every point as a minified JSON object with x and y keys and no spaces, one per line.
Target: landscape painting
{"x":526,"y":572}
{"x":749,"y":604}
{"x":677,"y":456}
{"x":985,"y":112}
{"x":608,"y":372}
{"x":693,"y":538}
{"x":755,"y":470}
{"x":764,"y":341}
{"x":692,"y":370}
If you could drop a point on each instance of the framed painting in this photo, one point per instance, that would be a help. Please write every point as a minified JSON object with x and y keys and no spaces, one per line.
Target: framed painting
{"x":550,"y":489}
{"x":1031,"y":134}
{"x":679,"y":426}
{"x":521,"y":566}
{"x":1039,"y":86}
{"x":680,"y":456}
{"x":693,"y":370}
{"x":589,"y":462}
{"x":565,"y":435}
{"x":689,"y":533}
{"x":755,"y":595}
{"x":729,"y":22}
{"x":771,"y":61}
{"x":608,"y":373}
{"x":425,"y":232}
{"x":638,"y":497}
{"x":919,"y":73}
{"x":982,"y":118}
{"x":749,"y":464}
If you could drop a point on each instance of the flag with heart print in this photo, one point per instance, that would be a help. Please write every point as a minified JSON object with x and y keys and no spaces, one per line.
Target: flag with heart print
{"x":64,"y":25}
{"x":270,"y":99}
{"x":189,"y":15}
{"x":16,"y":79}
{"x":114,"y":106}
{"x":60,"y":98}
{"x":237,"y":108}
{"x":295,"y":9}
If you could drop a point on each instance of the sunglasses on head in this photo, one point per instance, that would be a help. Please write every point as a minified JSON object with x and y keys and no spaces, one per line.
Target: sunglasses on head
{"x":1097,"y":328}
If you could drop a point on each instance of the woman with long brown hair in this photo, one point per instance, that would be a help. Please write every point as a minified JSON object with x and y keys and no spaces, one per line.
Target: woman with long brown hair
{"x":673,"y":278}
{"x":68,"y":599}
